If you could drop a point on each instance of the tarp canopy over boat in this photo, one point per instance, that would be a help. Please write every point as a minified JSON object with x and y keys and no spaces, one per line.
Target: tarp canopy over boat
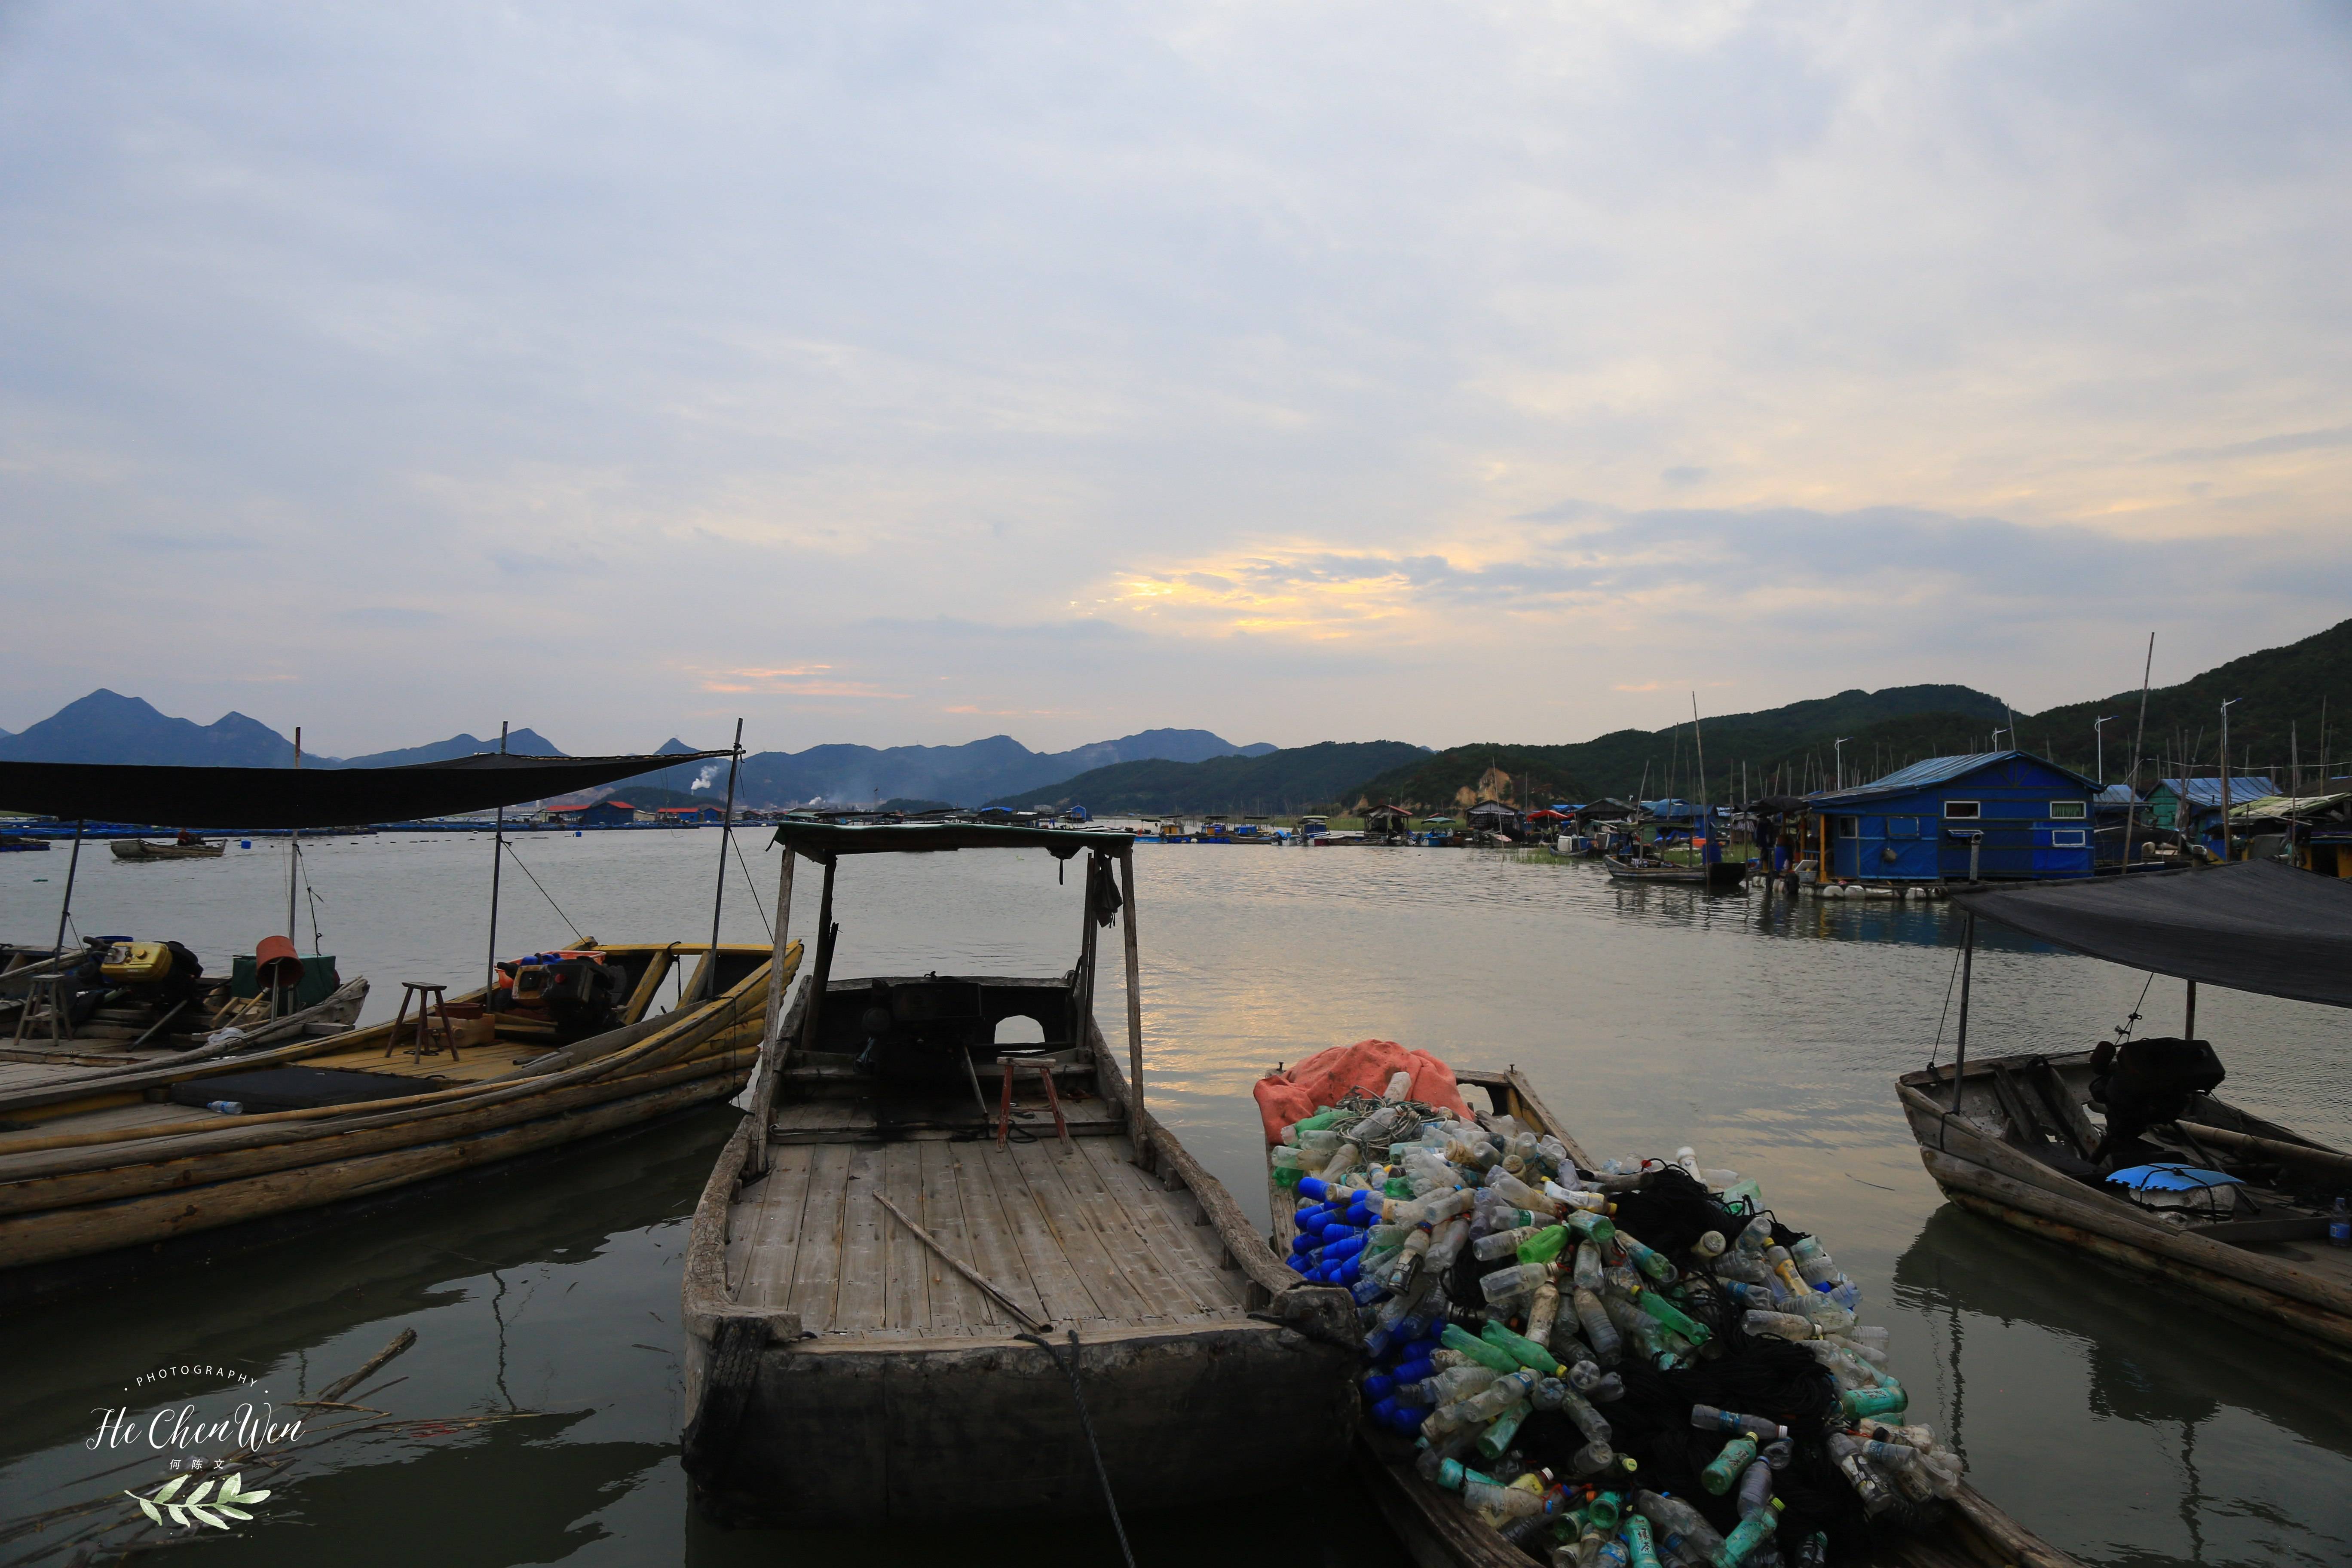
{"x":823,"y":840}
{"x":308,"y":797}
{"x":2253,"y":926}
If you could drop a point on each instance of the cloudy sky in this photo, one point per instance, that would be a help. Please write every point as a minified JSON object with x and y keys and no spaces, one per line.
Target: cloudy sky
{"x":902,"y":373}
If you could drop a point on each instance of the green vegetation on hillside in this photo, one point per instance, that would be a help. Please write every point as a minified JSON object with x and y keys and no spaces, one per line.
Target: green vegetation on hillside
{"x":1301,"y":778}
{"x":1660,"y":762}
{"x":2281,"y":693}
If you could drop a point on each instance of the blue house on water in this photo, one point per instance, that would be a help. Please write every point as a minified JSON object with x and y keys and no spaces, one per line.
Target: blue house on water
{"x":2019,"y":817}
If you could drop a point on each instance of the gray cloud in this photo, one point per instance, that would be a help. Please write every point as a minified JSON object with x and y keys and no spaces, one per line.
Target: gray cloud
{"x":903,"y":340}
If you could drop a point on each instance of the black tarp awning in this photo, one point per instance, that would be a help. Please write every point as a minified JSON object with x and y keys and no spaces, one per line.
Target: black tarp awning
{"x":307,"y":798}
{"x":2255,"y":926}
{"x":822,"y":840}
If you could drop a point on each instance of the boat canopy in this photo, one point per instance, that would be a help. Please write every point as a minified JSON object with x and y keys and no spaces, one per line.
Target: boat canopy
{"x":308,"y":797}
{"x":822,"y":840}
{"x":2253,"y":926}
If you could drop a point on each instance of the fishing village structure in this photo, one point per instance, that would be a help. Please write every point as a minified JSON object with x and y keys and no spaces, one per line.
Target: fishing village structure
{"x":1996,"y":815}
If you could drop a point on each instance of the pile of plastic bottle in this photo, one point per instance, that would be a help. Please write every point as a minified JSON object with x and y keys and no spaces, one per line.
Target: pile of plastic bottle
{"x":1551,"y":1365}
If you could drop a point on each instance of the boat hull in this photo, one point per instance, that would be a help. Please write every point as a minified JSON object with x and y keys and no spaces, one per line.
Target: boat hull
{"x":140,"y":850}
{"x":924,"y":1433}
{"x":1990,"y":1176}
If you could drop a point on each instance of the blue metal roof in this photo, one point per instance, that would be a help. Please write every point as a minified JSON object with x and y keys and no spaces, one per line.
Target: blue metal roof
{"x":2117,"y":794}
{"x":1929,"y":772}
{"x":2208,"y":792}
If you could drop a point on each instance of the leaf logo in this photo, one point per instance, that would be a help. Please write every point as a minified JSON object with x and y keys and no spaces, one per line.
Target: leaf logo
{"x":193,"y":1510}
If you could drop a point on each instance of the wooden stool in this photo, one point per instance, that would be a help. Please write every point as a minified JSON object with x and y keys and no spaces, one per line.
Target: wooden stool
{"x":1005,"y":1101}
{"x":48,"y":987}
{"x":429,"y":1003}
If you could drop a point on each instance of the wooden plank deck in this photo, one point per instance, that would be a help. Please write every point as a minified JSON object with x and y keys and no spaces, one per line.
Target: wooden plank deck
{"x":1074,"y":1233}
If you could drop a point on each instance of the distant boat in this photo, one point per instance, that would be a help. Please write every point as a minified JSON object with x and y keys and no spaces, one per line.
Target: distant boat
{"x":142,"y":850}
{"x":10,"y":843}
{"x":1719,"y":874}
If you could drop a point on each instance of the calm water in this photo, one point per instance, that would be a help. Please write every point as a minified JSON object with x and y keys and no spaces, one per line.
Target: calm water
{"x":2127,"y":1425}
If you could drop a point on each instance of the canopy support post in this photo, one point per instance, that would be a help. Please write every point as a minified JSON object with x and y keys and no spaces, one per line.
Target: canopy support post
{"x":1968,"y":973}
{"x":2188,"y":1023}
{"x":1143,"y":1152}
{"x":824,"y":958}
{"x":770,"y":1059}
{"x":726,"y":841}
{"x":497,"y":865}
{"x":73,"y":864}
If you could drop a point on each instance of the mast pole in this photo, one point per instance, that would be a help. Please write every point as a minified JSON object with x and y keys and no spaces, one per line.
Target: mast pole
{"x":498,"y":864}
{"x":2131,"y":812}
{"x":726,"y":840}
{"x":293,"y":845}
{"x":1967,"y":975}
{"x":2225,"y":780}
{"x":73,"y":864}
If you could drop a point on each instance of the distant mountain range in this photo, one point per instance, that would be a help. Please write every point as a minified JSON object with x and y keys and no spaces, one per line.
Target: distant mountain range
{"x":1273,"y":783}
{"x":107,"y":727}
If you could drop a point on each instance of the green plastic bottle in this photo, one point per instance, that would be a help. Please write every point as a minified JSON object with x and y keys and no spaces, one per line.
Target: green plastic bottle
{"x":1523,"y":1350}
{"x":1545,"y":1244}
{"x":1723,"y":1471}
{"x":1638,"y":1539}
{"x":1750,"y":1535}
{"x":1457,"y":1338}
{"x":1648,"y":1260}
{"x":1317,"y":1122}
{"x":1672,"y":1316}
{"x":1595,"y":1228}
{"x":1864,"y":1404}
{"x":1607,"y":1509}
{"x":1498,"y":1433}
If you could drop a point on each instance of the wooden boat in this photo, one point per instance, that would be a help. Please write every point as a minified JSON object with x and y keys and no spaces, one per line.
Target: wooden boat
{"x":142,"y":850}
{"x":17,"y":844}
{"x":1714,"y":876}
{"x":101,"y":1171}
{"x":2013,"y":1137}
{"x":883,"y":1292}
{"x":142,"y":1026}
{"x":1438,"y":1532}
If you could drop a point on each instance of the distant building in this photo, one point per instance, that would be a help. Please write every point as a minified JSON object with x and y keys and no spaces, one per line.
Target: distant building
{"x":676,"y":815}
{"x":2021,"y":816}
{"x":2193,"y":806}
{"x":596,"y":813}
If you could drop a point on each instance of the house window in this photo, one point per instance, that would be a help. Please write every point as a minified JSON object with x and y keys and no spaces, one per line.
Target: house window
{"x":2068,"y":838}
{"x":1849,"y":827}
{"x":1964,"y":810}
{"x":2068,"y":810}
{"x":1902,"y":827}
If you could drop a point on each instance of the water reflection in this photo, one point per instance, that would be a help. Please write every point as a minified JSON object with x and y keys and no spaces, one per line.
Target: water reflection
{"x":2203,"y":1438}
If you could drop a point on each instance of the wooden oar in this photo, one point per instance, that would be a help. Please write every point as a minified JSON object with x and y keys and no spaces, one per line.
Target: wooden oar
{"x":957,"y":1264}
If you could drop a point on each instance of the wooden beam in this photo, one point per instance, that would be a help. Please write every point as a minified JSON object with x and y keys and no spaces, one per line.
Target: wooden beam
{"x":1136,"y":1118}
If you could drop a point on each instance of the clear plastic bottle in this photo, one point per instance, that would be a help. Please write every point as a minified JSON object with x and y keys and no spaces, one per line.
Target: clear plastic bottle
{"x":1755,"y":1237}
{"x":1779,"y":1325}
{"x":1816,"y":1266}
{"x":1708,"y":1418}
{"x":1586,"y":1271}
{"x":1455,"y":1383}
{"x":1599,"y":1332}
{"x":1877,"y":1496}
{"x":1671,"y":1317}
{"x":1709,"y":1244}
{"x":1511,"y":1284}
{"x":1543,"y":1311}
{"x":1503,"y":1243}
{"x":1499,"y":1503}
{"x":1681,"y":1529}
{"x":1587,"y":1420}
{"x":1723,"y":1472}
{"x":1446,"y":1240}
{"x":1902,"y":1464}
{"x":1755,"y":1488}
{"x":1518,"y":1194}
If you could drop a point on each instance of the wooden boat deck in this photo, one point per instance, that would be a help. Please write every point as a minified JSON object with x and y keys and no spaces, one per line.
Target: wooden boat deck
{"x":1076,"y":1233}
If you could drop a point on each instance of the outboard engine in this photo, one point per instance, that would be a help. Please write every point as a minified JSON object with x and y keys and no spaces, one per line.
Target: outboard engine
{"x":574,"y":990}
{"x":2142,"y":1084}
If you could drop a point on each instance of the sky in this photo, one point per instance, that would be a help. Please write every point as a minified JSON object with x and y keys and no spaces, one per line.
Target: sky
{"x":894,"y":374}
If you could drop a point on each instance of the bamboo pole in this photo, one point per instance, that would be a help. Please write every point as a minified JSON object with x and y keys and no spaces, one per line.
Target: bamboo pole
{"x":2139,"y":736}
{"x":65,"y":910}
{"x":814,"y":1004}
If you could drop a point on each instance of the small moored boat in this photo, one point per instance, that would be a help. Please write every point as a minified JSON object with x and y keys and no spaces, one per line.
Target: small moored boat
{"x":189,"y":848}
{"x":2212,"y":1197}
{"x":1714,"y":875}
{"x":903,"y":1304}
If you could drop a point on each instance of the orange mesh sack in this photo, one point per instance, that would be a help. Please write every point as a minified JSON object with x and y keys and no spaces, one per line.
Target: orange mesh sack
{"x":1325,"y":1079}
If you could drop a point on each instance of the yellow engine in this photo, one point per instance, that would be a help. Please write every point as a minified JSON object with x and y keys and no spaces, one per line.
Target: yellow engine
{"x":136,"y":963}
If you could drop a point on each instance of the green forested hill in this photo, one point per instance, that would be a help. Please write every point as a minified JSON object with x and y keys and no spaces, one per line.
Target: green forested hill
{"x":1661,"y":762}
{"x":1300,"y":778}
{"x":2283,"y":693}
